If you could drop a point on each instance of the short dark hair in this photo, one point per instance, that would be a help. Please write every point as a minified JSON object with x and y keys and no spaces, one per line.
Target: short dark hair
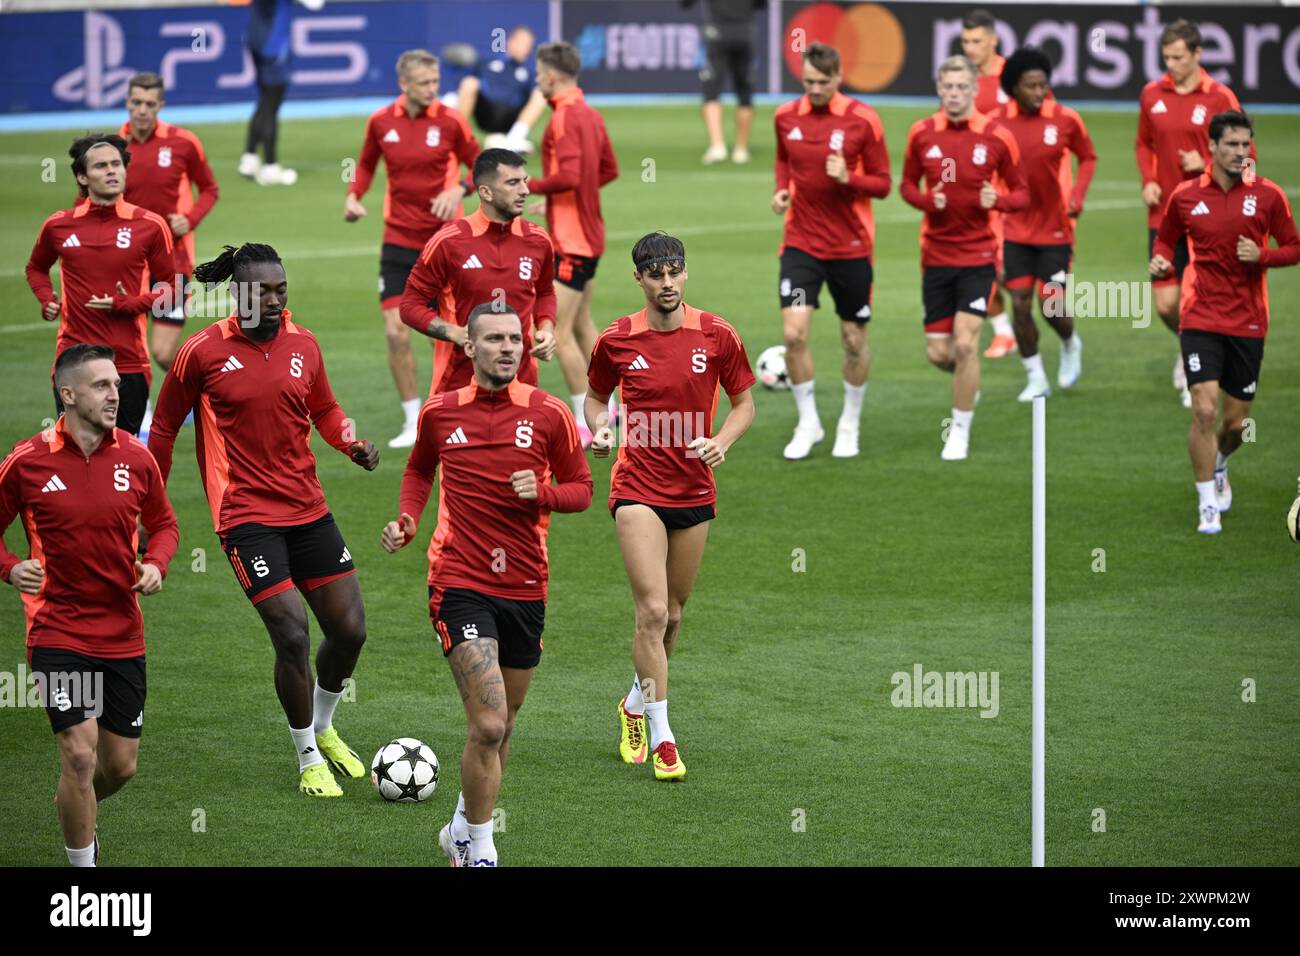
{"x":823,"y":58}
{"x":146,"y":81}
{"x":1024,"y":60}
{"x":83,"y":145}
{"x":1184,"y":30}
{"x":485,"y":167}
{"x":979,"y":18}
{"x":1229,"y":119}
{"x":495,"y":307}
{"x":562,"y":57}
{"x":71,"y":359}
{"x":657,"y":248}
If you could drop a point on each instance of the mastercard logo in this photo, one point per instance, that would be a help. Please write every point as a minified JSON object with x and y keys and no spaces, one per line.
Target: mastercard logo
{"x":869,"y":38}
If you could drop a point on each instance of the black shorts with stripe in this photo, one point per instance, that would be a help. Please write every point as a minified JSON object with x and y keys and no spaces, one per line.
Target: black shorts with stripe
{"x":460,"y":615}
{"x":269,"y":560}
{"x":575,"y":271}
{"x":947,"y":290}
{"x":76,"y":687}
{"x":1233,"y":361}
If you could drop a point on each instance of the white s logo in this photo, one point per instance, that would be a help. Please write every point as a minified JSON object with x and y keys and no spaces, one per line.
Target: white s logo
{"x":525,"y":268}
{"x":260,"y":568}
{"x":295,"y":365}
{"x":1194,"y":362}
{"x":699,"y":361}
{"x":979,"y":155}
{"x":122,"y":478}
{"x":124,"y":238}
{"x":1248,"y":206}
{"x":1198,"y":115}
{"x":524,"y":435}
{"x":837,"y":141}
{"x":433,"y":137}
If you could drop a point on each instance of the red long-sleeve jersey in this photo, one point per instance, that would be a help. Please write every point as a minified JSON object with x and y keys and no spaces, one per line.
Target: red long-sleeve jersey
{"x":988,"y":87}
{"x":101,"y":246}
{"x":961,"y":155}
{"x":80,"y":513}
{"x":1169,"y":121}
{"x":577,"y":160}
{"x":1220,"y":293}
{"x":668,"y":385}
{"x":254,"y":406}
{"x":423,"y":154}
{"x":488,"y":539}
{"x":472,"y":261}
{"x":827,"y":219}
{"x":164,"y":170}
{"x":1046,"y":140}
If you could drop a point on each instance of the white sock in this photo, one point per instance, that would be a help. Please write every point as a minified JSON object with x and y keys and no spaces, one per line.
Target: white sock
{"x":304,"y":745}
{"x":635,"y":703}
{"x":83,"y":857}
{"x":1001,"y":325}
{"x":459,"y":823}
{"x":1205,"y":492}
{"x":1071,"y":343}
{"x":481,"y":846}
{"x":518,"y":131}
{"x":657,"y":713}
{"x":1221,"y":461}
{"x":962,"y":419}
{"x":1033,"y":364}
{"x":579,"y":407}
{"x":322,"y":706}
{"x":411,"y":409}
{"x":853,"y":395}
{"x":806,"y":402}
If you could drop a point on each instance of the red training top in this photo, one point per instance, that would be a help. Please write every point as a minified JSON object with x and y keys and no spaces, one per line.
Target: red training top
{"x":988,"y":87}
{"x":577,"y":159}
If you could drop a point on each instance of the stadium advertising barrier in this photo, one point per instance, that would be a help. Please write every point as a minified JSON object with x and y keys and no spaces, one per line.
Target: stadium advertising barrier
{"x":82,"y":59}
{"x":1101,"y":52}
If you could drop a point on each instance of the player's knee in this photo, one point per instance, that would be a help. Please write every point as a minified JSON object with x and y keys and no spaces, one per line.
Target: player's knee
{"x":939,"y":352}
{"x":1204,"y":411}
{"x":79,"y":761}
{"x":652,"y":618}
{"x":796,"y":339}
{"x":289,"y":636}
{"x":964,"y":349}
{"x":121,"y":768}
{"x":488,"y":730}
{"x":399,"y":338}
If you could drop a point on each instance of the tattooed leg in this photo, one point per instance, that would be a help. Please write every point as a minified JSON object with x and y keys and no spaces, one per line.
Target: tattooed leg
{"x":482,"y":690}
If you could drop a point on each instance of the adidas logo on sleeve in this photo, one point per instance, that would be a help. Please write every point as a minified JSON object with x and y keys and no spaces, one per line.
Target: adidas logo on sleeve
{"x":71,"y":242}
{"x":1200,"y":209}
{"x":54,"y":484}
{"x":472,"y":263}
{"x":457,"y":437}
{"x":392,"y":137}
{"x":639,"y":363}
{"x":232,"y":364}
{"x":934,"y":152}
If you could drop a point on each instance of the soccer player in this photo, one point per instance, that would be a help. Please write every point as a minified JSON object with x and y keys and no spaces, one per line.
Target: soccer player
{"x":81,"y":487}
{"x":729,"y":48}
{"x":668,"y":362}
{"x":256,"y":383}
{"x":1171,"y":148}
{"x":979,"y":43}
{"x":830,"y":163}
{"x":957,"y":152}
{"x":107,"y":249}
{"x":1226,"y":215}
{"x":1039,"y":241}
{"x":577,"y":160}
{"x":169,"y":165}
{"x":490,"y":255}
{"x":423,"y":143}
{"x":502,"y":96}
{"x":494,"y":445}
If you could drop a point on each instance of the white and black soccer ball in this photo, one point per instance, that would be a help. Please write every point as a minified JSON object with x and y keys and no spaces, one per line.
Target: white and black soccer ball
{"x":771,"y":368}
{"x":405,"y":770}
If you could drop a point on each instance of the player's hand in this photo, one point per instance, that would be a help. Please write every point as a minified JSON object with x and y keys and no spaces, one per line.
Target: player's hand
{"x":27,"y":576}
{"x":781,"y":202}
{"x":836,"y":168}
{"x":1247,"y":251}
{"x":1075,"y":209}
{"x":397,"y":534}
{"x":1151,"y":194}
{"x":444,"y":204}
{"x":524,"y":484}
{"x":939,"y":197}
{"x":1192,"y":161}
{"x":537,"y":208}
{"x":149,"y":579}
{"x":988,"y":195}
{"x":1160,"y":266}
{"x":51,"y":310}
{"x":365,"y":454}
{"x":544,"y":343}
{"x":602,"y":441}
{"x":105,"y":301}
{"x":180,"y":225}
{"x":708,"y":450}
{"x":352,"y":208}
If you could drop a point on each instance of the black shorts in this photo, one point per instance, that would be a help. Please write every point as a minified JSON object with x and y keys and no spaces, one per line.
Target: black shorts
{"x":1181,"y":258}
{"x":849,"y":281}
{"x":1231,"y":360}
{"x":724,"y":56}
{"x":132,"y":397}
{"x":271,"y":71}
{"x":494,"y":117}
{"x":575,"y":271}
{"x":174,"y":305}
{"x":75,"y":688}
{"x":395,"y":265}
{"x":674,"y":519}
{"x":269,"y":560}
{"x":947,"y":290}
{"x":460,"y":615}
{"x":1025,"y":266}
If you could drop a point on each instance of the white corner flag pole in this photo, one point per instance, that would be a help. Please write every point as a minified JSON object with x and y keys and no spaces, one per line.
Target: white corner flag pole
{"x":1039,"y":624}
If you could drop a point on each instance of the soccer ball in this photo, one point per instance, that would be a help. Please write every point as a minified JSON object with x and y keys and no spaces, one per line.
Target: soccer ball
{"x":771,"y":368}
{"x":405,"y":770}
{"x":1293,"y":521}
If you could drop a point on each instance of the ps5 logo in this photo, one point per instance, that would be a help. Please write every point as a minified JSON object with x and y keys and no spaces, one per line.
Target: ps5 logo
{"x":101,"y":80}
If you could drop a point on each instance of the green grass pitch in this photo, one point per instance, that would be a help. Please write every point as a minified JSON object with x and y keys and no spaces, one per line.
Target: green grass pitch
{"x":781,"y":686}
